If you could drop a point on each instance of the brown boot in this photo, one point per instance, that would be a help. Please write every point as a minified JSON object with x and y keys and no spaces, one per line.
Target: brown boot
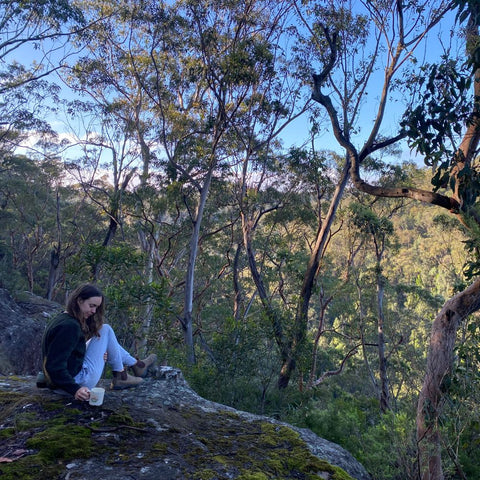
{"x":140,"y":369}
{"x":122,"y":380}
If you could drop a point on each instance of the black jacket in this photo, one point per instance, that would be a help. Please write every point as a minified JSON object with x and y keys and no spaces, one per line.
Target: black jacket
{"x":63,"y":351}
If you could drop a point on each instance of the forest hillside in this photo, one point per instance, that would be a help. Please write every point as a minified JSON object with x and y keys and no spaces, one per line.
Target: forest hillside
{"x":277,"y":197}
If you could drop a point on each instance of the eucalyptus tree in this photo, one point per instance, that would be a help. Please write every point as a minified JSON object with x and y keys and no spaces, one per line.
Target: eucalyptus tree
{"x":225,"y":55}
{"x":37,"y":32}
{"x":234,"y":64}
{"x":354,"y":36}
{"x":104,"y":162}
{"x":27,"y":24}
{"x":266,"y":191}
{"x":34,"y":40}
{"x":435,"y":127}
{"x":28,"y":213}
{"x":116,"y":137}
{"x":183,"y":76}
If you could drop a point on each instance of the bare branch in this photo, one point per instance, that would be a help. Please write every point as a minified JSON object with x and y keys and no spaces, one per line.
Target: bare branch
{"x":331,"y":373}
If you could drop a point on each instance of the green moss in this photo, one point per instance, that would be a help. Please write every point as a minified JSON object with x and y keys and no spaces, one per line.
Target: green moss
{"x":7,"y":432}
{"x":231,"y":415}
{"x":257,"y":450}
{"x":46,"y":428}
{"x":29,"y":468}
{"x":55,"y":445}
{"x":11,"y":402}
{"x":253,"y":476}
{"x":221,"y":459}
{"x":123,"y":418}
{"x":206,"y":474}
{"x":120,"y":418}
{"x":159,"y":449}
{"x":16,"y":378}
{"x":8,"y":397}
{"x":63,"y":443}
{"x":26,"y":420}
{"x":51,"y":406}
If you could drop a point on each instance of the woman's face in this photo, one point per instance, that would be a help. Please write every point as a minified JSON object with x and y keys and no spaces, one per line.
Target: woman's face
{"x":89,"y":306}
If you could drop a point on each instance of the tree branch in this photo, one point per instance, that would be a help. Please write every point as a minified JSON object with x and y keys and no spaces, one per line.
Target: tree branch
{"x":331,"y":373}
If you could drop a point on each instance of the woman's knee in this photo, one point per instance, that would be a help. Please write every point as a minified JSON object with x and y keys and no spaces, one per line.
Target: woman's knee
{"x":105,"y":328}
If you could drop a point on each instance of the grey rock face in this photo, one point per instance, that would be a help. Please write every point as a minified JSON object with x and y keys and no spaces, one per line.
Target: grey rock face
{"x":166,"y":431}
{"x":22,"y":324}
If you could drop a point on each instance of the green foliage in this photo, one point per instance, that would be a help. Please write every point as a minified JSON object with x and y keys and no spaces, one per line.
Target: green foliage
{"x":28,"y":208}
{"x":126,"y":304}
{"x":365,"y":219}
{"x":440,"y":116}
{"x":384,"y":444}
{"x":472,"y":244}
{"x":242,"y":372}
{"x":52,"y":13}
{"x":343,"y":421}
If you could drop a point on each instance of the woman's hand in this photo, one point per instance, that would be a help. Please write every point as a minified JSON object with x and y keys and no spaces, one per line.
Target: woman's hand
{"x":83,"y":394}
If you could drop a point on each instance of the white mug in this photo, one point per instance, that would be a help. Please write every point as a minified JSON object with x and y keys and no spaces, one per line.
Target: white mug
{"x":96,"y":396}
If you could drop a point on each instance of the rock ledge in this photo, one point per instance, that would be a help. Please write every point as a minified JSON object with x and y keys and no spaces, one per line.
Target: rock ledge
{"x":160,"y":430}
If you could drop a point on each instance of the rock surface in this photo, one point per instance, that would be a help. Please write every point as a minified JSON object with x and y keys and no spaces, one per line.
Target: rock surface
{"x":22,"y":322}
{"x":161,"y":430}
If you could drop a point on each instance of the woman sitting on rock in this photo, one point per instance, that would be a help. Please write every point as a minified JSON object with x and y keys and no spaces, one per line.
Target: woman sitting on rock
{"x":77,"y":343}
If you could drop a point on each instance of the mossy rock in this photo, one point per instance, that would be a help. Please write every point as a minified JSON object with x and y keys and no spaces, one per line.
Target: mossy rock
{"x":63,"y":442}
{"x":126,"y":436}
{"x":48,"y":433}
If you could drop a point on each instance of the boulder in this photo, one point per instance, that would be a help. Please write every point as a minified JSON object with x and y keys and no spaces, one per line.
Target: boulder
{"x":159,"y":430}
{"x":22,"y":322}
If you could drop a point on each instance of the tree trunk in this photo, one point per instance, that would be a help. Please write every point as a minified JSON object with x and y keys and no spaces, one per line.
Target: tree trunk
{"x":439,"y":364}
{"x":55,"y":254}
{"x":382,"y":361}
{"x":238,"y":300}
{"x":362,"y":315}
{"x":190,"y":275}
{"x":149,"y":246}
{"x":53,"y":271}
{"x":311,"y":274}
{"x":320,"y":330}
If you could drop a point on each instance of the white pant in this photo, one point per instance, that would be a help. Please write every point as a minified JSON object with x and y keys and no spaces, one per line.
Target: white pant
{"x":94,"y":362}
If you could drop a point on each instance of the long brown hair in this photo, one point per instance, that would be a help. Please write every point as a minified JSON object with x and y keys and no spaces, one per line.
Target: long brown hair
{"x":92,"y":324}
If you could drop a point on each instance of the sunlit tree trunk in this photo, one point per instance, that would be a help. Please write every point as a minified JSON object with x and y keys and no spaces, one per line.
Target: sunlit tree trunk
{"x":439,"y":363}
{"x":149,"y":245}
{"x":324,"y":302}
{"x":187,"y":321}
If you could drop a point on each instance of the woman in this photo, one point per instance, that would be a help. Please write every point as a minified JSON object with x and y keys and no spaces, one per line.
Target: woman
{"x":77,"y":342}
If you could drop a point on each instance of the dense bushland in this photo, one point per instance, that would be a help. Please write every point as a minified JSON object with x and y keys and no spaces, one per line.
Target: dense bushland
{"x":229,"y":173}
{"x":237,"y":359}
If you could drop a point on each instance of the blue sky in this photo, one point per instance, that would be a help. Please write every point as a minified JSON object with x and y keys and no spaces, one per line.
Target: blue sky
{"x":297,"y":132}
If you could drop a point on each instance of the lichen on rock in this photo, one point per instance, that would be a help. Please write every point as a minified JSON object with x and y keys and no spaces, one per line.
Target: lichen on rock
{"x":161,"y":429}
